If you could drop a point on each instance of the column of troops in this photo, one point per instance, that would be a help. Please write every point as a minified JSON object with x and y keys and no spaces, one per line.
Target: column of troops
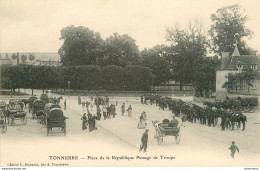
{"x":207,"y":114}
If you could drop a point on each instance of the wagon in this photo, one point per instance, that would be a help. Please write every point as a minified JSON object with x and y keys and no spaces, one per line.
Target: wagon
{"x":17,"y":115}
{"x":56,"y":119}
{"x":46,"y":111}
{"x":164,"y":129}
{"x":38,"y":106}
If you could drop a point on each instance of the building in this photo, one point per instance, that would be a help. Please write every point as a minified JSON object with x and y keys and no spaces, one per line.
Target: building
{"x":236,"y":63}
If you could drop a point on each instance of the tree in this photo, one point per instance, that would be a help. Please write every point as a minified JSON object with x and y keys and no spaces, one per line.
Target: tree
{"x":113,"y":77}
{"x":159,"y":65}
{"x":187,"y":46}
{"x":204,"y":82}
{"x":24,"y":58}
{"x":120,"y":50}
{"x":231,"y":84}
{"x":81,"y":46}
{"x":248,"y":77}
{"x":14,"y":56}
{"x":138,"y":77}
{"x":31,"y":57}
{"x":229,"y":26}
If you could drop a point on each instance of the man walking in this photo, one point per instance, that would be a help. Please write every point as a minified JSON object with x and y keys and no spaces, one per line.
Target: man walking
{"x":144,"y":141}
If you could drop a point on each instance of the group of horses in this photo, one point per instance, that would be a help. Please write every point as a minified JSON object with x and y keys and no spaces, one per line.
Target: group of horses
{"x":204,"y":114}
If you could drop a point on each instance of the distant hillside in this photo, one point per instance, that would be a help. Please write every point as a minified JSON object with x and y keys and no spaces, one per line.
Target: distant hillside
{"x":38,"y":56}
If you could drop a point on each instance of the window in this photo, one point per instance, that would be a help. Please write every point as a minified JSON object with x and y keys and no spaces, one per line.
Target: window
{"x":239,"y":66}
{"x":253,"y":66}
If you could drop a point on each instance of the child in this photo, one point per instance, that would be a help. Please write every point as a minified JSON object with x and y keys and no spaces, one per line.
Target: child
{"x":233,"y":149}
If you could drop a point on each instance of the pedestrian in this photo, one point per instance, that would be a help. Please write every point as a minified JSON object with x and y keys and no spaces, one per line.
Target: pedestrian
{"x":233,"y":148}
{"x":98,"y":113}
{"x":108,"y":112}
{"x":142,"y":121}
{"x":123,"y":109}
{"x":91,"y":105}
{"x":87,"y":104}
{"x":113,"y":110}
{"x":129,"y":110}
{"x":83,"y":105}
{"x":65,"y":104}
{"x":104,"y":109}
{"x":142,"y":99}
{"x":84,"y":121}
{"x":144,"y":141}
{"x":79,"y":100}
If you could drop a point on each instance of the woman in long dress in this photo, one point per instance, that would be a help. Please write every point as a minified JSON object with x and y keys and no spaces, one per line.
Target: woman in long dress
{"x":142,"y":121}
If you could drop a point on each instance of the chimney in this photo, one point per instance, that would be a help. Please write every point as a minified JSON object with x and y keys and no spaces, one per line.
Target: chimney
{"x":224,"y":60}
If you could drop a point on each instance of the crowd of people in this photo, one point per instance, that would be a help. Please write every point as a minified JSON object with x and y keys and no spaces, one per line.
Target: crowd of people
{"x":103,"y":108}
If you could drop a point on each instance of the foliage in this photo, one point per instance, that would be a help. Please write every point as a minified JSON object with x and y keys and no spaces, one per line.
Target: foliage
{"x":159,"y":66}
{"x":14,"y":56}
{"x":112,"y":77}
{"x":138,"y":78}
{"x":247,"y":76}
{"x":86,"y":77}
{"x":120,"y":50}
{"x":24,"y":58}
{"x":187,"y":46}
{"x":31,"y":57}
{"x":231,"y":84}
{"x":229,"y":26}
{"x":81,"y":46}
{"x":204,"y":81}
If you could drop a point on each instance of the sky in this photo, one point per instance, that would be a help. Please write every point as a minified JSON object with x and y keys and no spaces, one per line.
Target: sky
{"x":34,"y":25}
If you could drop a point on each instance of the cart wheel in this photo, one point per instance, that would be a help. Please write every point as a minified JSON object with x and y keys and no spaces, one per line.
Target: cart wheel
{"x":159,"y":136}
{"x":178,"y":138}
{"x":4,"y":127}
{"x":24,"y":120}
{"x":251,"y":108}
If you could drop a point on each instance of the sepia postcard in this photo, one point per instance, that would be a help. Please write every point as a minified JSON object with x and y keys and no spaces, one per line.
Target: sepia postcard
{"x":128,"y":83}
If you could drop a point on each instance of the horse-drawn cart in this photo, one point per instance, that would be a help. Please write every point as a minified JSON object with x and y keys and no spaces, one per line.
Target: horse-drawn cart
{"x":56,"y":119}
{"x":165,"y":129}
{"x":15,"y":115}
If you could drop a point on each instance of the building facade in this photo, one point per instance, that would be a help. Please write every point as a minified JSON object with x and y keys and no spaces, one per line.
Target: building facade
{"x":236,"y":63}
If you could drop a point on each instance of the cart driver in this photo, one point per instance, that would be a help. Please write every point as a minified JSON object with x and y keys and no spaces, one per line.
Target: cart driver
{"x":174,"y":122}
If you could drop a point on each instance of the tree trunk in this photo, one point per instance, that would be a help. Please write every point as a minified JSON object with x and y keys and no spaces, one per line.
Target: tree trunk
{"x":32,"y":92}
{"x":181,"y":85}
{"x":42,"y":91}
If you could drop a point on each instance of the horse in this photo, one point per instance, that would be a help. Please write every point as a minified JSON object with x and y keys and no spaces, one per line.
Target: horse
{"x":57,"y":101}
{"x":239,"y":118}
